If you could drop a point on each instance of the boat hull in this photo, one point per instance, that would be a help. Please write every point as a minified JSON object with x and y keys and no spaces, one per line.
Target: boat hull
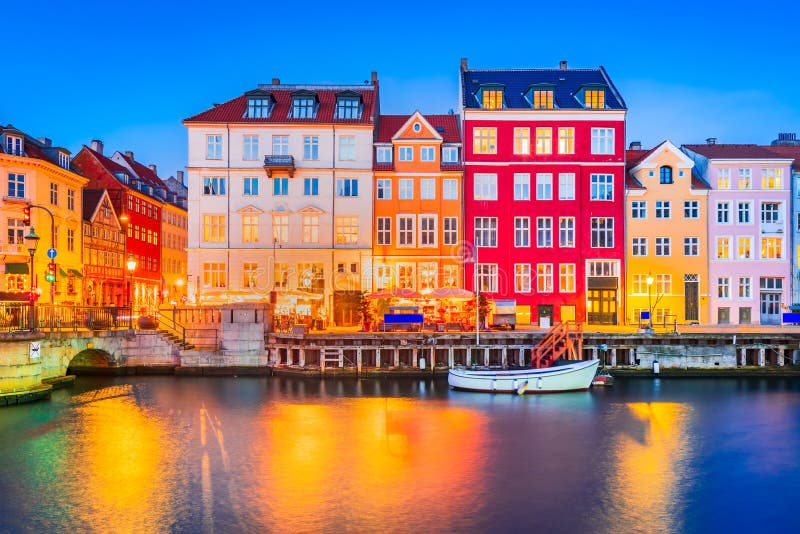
{"x":572,"y":377}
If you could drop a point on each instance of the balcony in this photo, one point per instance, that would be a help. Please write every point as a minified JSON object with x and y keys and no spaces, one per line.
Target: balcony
{"x":279,"y":164}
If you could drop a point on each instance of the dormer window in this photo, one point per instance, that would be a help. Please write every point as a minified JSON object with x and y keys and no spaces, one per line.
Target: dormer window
{"x":348,"y":106}
{"x":594,"y":98}
{"x":304,"y":105}
{"x":492,"y":98}
{"x":63,"y":160}
{"x":13,"y":145}
{"x":384,"y":154}
{"x":258,"y":108}
{"x":665,"y":175}
{"x":541,"y":96}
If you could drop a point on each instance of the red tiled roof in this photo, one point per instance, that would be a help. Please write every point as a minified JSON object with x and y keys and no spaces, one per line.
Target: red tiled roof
{"x":144,"y":172}
{"x":634,"y":157}
{"x":698,"y":183}
{"x":787,"y":152}
{"x":388,"y":125}
{"x":234,"y":110}
{"x":109,"y":164}
{"x":731,"y":151}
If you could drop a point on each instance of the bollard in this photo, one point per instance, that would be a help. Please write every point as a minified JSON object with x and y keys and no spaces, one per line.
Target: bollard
{"x":656,"y":367}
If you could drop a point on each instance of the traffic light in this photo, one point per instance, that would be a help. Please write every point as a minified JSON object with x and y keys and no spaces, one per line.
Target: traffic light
{"x":51,"y":272}
{"x":26,"y":215}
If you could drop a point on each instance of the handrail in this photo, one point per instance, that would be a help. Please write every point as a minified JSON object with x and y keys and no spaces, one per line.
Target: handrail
{"x":556,"y":342}
{"x":172,"y":325}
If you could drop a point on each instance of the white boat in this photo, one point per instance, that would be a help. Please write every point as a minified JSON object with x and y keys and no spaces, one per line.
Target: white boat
{"x":575,"y":376}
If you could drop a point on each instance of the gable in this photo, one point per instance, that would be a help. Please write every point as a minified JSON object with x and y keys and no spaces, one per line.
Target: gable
{"x":416,"y":127}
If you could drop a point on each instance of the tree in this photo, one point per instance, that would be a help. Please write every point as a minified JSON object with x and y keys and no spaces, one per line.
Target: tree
{"x":365,"y":310}
{"x":483,"y":309}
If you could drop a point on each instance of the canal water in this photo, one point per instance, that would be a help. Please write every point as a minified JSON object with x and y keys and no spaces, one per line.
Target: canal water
{"x":167,"y":454}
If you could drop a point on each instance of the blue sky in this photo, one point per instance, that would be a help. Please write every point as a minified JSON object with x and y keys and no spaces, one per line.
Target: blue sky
{"x":128,"y":73}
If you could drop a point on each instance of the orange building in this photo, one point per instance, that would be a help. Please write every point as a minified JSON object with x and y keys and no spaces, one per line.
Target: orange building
{"x":418,"y":203}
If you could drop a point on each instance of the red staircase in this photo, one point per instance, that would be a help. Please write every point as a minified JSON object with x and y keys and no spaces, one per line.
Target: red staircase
{"x":562,"y":339}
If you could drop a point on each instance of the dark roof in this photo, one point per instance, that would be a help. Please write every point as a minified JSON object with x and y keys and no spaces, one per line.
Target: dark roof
{"x":35,"y":149}
{"x":792,"y":152}
{"x":730,"y":151}
{"x":91,"y":198}
{"x":234,"y":110}
{"x":516,"y":82}
{"x":698,"y":182}
{"x":144,"y":172}
{"x":446,"y":125}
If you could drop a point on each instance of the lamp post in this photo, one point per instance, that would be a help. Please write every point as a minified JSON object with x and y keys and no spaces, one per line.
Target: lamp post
{"x":33,"y":241}
{"x":649,"y":281}
{"x":131,"y":264}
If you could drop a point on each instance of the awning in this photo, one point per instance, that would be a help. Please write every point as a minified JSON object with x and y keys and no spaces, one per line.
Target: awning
{"x":16,"y":268}
{"x":62,"y":271}
{"x":76,"y":272}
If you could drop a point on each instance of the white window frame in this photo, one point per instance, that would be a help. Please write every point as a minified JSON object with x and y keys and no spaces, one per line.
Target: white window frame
{"x":522,"y":232}
{"x":485,"y":186}
{"x":522,"y":186}
{"x":602,"y":140}
{"x":566,"y":186}
{"x":544,"y":186}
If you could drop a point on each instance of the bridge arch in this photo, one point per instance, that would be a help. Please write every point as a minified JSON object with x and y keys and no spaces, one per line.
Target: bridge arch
{"x":91,"y":359}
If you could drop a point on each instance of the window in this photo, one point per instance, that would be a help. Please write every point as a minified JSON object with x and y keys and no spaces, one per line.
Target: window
{"x":311,"y":187}
{"x":485,"y":187}
{"x":280,"y":228}
{"x":566,"y":278}
{"x":427,"y":275}
{"x":347,"y":148}
{"x":384,"y":230}
{"x":485,"y":231}
{"x":663,"y":245}
{"x":213,"y":228}
{"x":348,"y":108}
{"x":212,"y":186}
{"x":544,"y":277}
{"x":639,"y":246}
{"x":71,"y":199}
{"x":771,"y":248}
{"x":346,"y":230}
{"x":258,"y":108}
{"x":70,"y":240}
{"x":566,"y":186}
{"x":406,"y":188}
{"x":280,"y":187}
{"x":594,"y":98}
{"x":250,"y":147}
{"x":744,"y":247}
{"x":450,"y":189}
{"x":428,"y":153}
{"x":405,"y":276}
{"x":602,"y":187}
{"x":54,"y":194}
{"x":250,"y":186}
{"x":310,"y":228}
{"x":665,"y":175}
{"x":487,"y":277}
{"x":745,"y":287}
{"x":745,"y":181}
{"x":691,"y":246}
{"x":249,"y":273}
{"x":743,"y":212}
{"x":663,"y":284}
{"x":724,"y":287}
{"x":213,"y":147}
{"x":311,"y":277}
{"x":663,"y":209}
{"x":723,"y":248}
{"x":522,"y":187}
{"x":303,"y":107}
{"x":347,"y":187}
{"x":249,"y":228}
{"x":724,"y":179}
{"x":566,"y":232}
{"x":405,"y":230}
{"x":280,"y":145}
{"x":522,"y":277}
{"x":16,"y":232}
{"x":450,"y":230}
{"x":449,"y":275}
{"x":449,"y":154}
{"x":384,"y":154}
{"x":214,"y":275}
{"x":639,"y":209}
{"x":492,"y":98}
{"x":427,"y":189}
{"x":602,"y":232}
{"x":639,"y":284}
{"x":723,"y":212}
{"x":771,"y":213}
{"x":522,"y":231}
{"x":542,"y":98}
{"x":771,"y":178}
{"x":13,"y":145}
{"x":544,"y":140}
{"x":770,"y":283}
{"x":566,"y":140}
{"x":602,"y":140}
{"x":544,"y":232}
{"x":522,"y":141}
{"x":16,"y":185}
{"x":691,"y":209}
{"x":484,"y":140}
{"x":384,"y":189}
{"x":427,"y":230}
{"x":311,"y":147}
{"x":544,"y":186}
{"x":406,"y":153}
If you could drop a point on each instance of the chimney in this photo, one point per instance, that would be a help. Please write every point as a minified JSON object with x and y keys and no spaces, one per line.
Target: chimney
{"x":562,"y":65}
{"x":180,"y":177}
{"x":276,"y":81}
{"x":46,"y":141}
{"x":97,"y":146}
{"x":152,"y":167}
{"x":635,"y":145}
{"x":374,"y":77}
{"x":129,"y":154}
{"x":711,"y":141}
{"x":464,"y":65}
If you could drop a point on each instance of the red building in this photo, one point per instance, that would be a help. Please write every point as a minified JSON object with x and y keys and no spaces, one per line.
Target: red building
{"x":544,"y":155}
{"x":137,"y":201}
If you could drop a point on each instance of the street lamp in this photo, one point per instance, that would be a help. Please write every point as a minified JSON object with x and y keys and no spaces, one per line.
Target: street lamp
{"x":649,"y":281}
{"x":131,"y":263}
{"x":33,"y":241}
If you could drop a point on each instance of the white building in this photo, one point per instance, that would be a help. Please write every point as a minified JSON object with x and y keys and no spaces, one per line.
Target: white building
{"x":280,"y":198}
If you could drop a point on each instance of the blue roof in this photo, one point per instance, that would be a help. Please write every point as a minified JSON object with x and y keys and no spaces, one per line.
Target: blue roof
{"x":516,"y":82}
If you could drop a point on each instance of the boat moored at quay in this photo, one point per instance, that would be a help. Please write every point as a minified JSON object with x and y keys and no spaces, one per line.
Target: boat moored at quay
{"x":568,"y":376}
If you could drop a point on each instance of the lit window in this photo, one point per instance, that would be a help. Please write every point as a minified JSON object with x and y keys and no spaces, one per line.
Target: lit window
{"x":724,"y":287}
{"x":280,"y":228}
{"x":723,"y":248}
{"x":771,"y":178}
{"x":594,"y":98}
{"x":544,"y":140}
{"x":522,"y":141}
{"x":566,"y":278}
{"x":744,"y":247}
{"x":522,"y":277}
{"x":566,"y":140}
{"x":771,"y":248}
{"x":250,"y":228}
{"x":745,"y":287}
{"x":487,"y":277}
{"x":214,"y":275}
{"x":310,"y":229}
{"x":492,"y":99}
{"x":542,"y":99}
{"x":249,"y":273}
{"x":484,"y":140}
{"x":213,"y":228}
{"x":745,"y":176}
{"x":544,"y":277}
{"x":724,"y":179}
{"x":346,"y":230}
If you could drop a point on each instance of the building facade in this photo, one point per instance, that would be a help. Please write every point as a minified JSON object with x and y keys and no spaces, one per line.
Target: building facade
{"x":666,"y":232}
{"x":544,"y":191}
{"x":280,"y":189}
{"x":748,"y":235}
{"x":103,"y":252}
{"x":34,"y":172}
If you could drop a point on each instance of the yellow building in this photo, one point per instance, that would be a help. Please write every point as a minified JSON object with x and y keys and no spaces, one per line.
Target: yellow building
{"x":174,"y":220}
{"x":34,"y":172}
{"x":666,"y":232}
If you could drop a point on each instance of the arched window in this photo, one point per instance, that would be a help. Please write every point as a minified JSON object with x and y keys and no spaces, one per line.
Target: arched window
{"x":666,"y":175}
